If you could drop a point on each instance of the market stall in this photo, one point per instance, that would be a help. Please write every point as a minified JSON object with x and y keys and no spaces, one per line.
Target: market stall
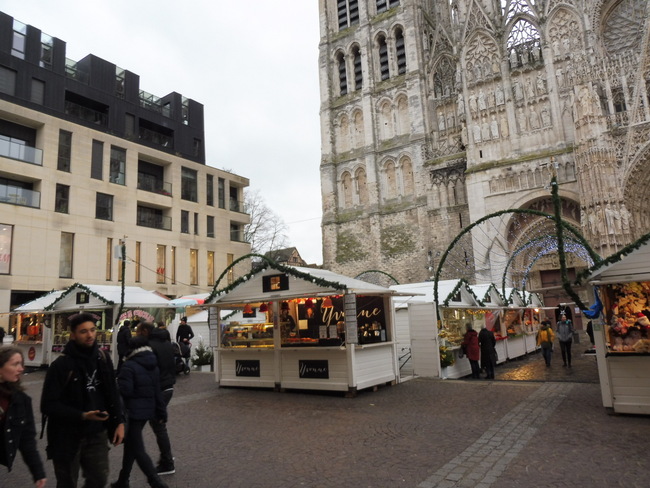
{"x":622,"y":331}
{"x":49,"y":314}
{"x":304,"y":328}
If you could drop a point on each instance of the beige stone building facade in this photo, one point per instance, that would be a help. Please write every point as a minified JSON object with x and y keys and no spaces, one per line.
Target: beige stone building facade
{"x":88,"y":160}
{"x":436,"y":114}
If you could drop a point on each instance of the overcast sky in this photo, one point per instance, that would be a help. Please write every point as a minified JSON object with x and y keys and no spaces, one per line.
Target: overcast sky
{"x":253,"y":64}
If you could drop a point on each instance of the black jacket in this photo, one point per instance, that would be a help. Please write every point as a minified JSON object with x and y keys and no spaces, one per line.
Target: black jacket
{"x":139,"y":383}
{"x":66,"y":396}
{"x":124,"y":335}
{"x":164,"y":351}
{"x":20,"y":435}
{"x":184,"y":332}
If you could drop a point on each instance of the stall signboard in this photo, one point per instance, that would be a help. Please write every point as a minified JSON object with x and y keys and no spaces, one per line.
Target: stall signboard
{"x":275,"y":283}
{"x":247,"y":367}
{"x":314,"y":368}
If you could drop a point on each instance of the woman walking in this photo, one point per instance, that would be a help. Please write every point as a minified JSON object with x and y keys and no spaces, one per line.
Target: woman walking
{"x":139,"y":384}
{"x":471,"y":349}
{"x":17,"y":429}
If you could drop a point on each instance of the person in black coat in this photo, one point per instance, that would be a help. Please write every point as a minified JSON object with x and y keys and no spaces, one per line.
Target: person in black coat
{"x":184,"y":335}
{"x":17,"y":428}
{"x":162,"y":347}
{"x":488,"y":343}
{"x":124,"y":336}
{"x":139,"y":383}
{"x":81,"y":402}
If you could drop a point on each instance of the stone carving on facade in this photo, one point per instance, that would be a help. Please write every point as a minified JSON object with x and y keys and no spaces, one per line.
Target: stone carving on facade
{"x":503,"y":126}
{"x":473,"y":105}
{"x":485,"y":130}
{"x":541,"y":84}
{"x":498,"y":95}
{"x":494,"y":127}
{"x":518,"y":91}
{"x":481,"y":100}
{"x":521,"y":119}
{"x":534,"y":119}
{"x":476,"y":133}
{"x":546,"y":117}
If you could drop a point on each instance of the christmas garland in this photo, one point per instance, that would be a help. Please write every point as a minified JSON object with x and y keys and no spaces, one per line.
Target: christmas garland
{"x":82,"y":287}
{"x":462,"y":281}
{"x":614,"y":258}
{"x":267,"y":263}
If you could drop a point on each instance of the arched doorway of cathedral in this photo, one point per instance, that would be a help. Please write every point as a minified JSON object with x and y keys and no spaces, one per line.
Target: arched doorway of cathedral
{"x":632,"y":207}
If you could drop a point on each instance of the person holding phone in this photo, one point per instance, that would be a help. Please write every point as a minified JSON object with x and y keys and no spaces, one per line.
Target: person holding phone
{"x":82,"y":406}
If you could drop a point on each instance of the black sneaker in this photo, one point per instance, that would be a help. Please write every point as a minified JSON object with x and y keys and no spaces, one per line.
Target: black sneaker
{"x":163,"y":469}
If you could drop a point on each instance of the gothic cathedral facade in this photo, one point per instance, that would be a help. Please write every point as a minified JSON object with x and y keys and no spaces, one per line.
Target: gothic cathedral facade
{"x":437,"y":113}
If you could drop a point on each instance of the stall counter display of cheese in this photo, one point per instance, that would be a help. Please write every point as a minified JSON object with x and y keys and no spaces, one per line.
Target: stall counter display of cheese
{"x":627,"y":308}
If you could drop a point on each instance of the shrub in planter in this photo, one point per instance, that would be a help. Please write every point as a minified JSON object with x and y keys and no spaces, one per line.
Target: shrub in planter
{"x":202,"y":355}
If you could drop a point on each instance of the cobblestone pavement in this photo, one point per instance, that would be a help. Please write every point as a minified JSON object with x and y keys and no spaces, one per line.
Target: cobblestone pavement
{"x":420,"y":433}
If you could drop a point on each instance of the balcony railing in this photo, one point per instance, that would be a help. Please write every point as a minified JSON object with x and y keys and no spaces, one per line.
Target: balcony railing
{"x":237,"y":236}
{"x":72,"y":71}
{"x":237,"y":206}
{"x":154,"y":185}
{"x":154,"y":221}
{"x":156,"y":137}
{"x":28,"y":154}
{"x":16,"y":195}
{"x":85,"y":113}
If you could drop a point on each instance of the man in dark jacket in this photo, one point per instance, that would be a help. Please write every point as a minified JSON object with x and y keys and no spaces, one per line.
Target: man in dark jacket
{"x":184,"y":335}
{"x":124,"y":335}
{"x":488,"y":343}
{"x":164,"y":351}
{"x":81,"y":401}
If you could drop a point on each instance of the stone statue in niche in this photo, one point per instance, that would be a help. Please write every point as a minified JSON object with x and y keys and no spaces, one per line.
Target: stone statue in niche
{"x":600,"y":221}
{"x":556,"y":47}
{"x":476,"y":133}
{"x":618,"y":226}
{"x":514,"y":63}
{"x":463,"y":135}
{"x":546,"y":117}
{"x":625,"y":219}
{"x":485,"y":129}
{"x":460,"y":102}
{"x":534,"y":119}
{"x":519,"y":92}
{"x":566,"y":45}
{"x":473,"y":107}
{"x":481,"y":100}
{"x":478,"y":73}
{"x":494,"y":127}
{"x":498,"y":95}
{"x":609,"y":218}
{"x":541,"y":86}
{"x":530,"y":90}
{"x":559,"y":74}
{"x":503,"y":125}
{"x":593,"y":228}
{"x":450,"y":120}
{"x":441,"y":121}
{"x":521,"y":118}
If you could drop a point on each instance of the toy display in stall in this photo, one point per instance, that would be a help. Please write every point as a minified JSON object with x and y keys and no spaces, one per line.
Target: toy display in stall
{"x":629,"y":325}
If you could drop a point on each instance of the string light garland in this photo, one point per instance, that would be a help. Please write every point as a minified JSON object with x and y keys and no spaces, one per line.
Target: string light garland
{"x":83,"y":288}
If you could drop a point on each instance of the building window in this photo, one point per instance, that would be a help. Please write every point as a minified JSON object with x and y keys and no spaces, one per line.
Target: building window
{"x":185,"y":222}
{"x":37,"y":94}
{"x":65,"y":255}
{"x":47,"y":45}
{"x":231,"y":274}
{"x":236,"y":232}
{"x":160,"y":263}
{"x":118,"y":165}
{"x":196,"y":224}
{"x":400,"y":51}
{"x":348,"y":13}
{"x":7,"y":81}
{"x":189,"y":184}
{"x":6,"y":238}
{"x":62,"y":198}
{"x":210,"y":268}
{"x":210,"y":226}
{"x":383,"y":5}
{"x":209,"y":190}
{"x":153,"y":218}
{"x":129,"y":125}
{"x":104,"y":206}
{"x":383,"y":58}
{"x":358,"y":73}
{"x":138,"y":249}
{"x":194,"y":267}
{"x":343,"y":79}
{"x":18,"y":44}
{"x":109,"y":259}
{"x":120,"y":260}
{"x":65,"y":150}
{"x":222,"y":192}
{"x":97,"y":161}
{"x":196,"y":147}
{"x":173,"y":265}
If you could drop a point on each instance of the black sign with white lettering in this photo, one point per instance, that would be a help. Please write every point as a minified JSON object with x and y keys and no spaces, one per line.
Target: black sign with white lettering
{"x":314,"y":368}
{"x":247,"y":367}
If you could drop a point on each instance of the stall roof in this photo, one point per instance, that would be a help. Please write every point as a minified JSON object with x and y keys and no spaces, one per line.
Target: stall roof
{"x":634,"y":266}
{"x":447,"y":290}
{"x":302,"y":282}
{"x":101,"y":296}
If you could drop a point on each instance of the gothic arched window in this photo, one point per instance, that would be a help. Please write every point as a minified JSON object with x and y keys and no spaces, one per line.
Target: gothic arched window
{"x":343,"y":78}
{"x":346,"y":183}
{"x":357,"y":122}
{"x":383,"y":5}
{"x":443,"y":78}
{"x":524,"y":47}
{"x":348,"y":13}
{"x":623,"y":26}
{"x":400,"y":51}
{"x":362,"y":185}
{"x":391,"y":180}
{"x":402,"y":115}
{"x":407,"y":176}
{"x":382,"y":50}
{"x":356,"y":62}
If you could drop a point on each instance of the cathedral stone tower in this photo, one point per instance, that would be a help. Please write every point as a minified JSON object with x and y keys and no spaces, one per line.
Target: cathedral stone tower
{"x":436,"y":113}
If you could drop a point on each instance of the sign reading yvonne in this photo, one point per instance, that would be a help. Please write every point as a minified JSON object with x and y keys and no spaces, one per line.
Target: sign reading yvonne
{"x":247,"y":367}
{"x":314,"y":368}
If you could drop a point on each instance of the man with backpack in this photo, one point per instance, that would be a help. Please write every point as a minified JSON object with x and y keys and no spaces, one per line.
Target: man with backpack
{"x":82,"y":405}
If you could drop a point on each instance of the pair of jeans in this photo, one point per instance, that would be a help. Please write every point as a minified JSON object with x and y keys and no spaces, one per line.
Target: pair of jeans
{"x":162,"y":437}
{"x":565,"y":349}
{"x":91,"y":457}
{"x":547,"y":353}
{"x":134,"y":451}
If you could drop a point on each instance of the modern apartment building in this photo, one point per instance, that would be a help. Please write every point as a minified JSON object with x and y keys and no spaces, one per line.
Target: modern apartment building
{"x":88,"y":159}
